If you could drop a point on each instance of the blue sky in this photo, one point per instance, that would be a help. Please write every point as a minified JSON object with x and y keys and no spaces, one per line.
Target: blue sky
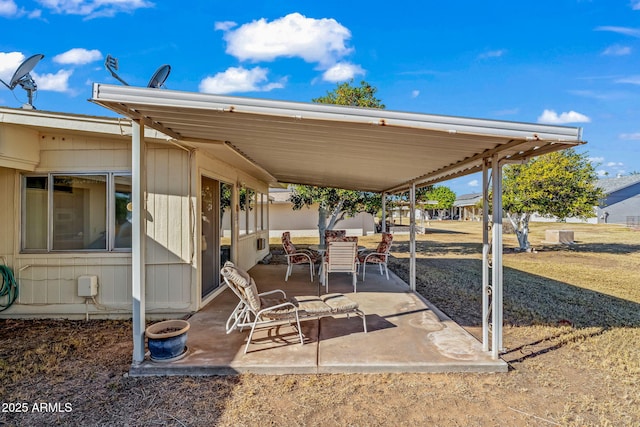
{"x":570,"y":62}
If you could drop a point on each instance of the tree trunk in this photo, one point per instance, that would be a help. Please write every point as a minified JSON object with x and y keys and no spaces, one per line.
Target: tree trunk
{"x":322,"y":222}
{"x":520,"y":223}
{"x":337,"y":215}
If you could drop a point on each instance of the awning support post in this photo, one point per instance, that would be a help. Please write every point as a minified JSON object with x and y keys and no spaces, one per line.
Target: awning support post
{"x":384,"y":213}
{"x":412,"y":237}
{"x":496,"y":265}
{"x":486,"y":286}
{"x":138,"y":238}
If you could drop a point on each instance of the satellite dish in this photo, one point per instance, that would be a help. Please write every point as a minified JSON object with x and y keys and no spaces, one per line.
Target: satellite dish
{"x":159,"y":77}
{"x":157,"y":80}
{"x":23,"y":78}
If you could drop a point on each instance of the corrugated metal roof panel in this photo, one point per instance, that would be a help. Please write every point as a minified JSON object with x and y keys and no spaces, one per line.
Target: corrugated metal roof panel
{"x":335,"y":146}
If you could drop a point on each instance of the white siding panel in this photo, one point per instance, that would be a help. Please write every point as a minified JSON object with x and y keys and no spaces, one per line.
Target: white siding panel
{"x":7,"y":217}
{"x":175,"y":286}
{"x":74,"y":153}
{"x":161,"y":284}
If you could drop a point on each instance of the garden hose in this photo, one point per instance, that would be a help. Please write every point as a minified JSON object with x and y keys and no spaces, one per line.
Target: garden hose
{"x":8,"y":288}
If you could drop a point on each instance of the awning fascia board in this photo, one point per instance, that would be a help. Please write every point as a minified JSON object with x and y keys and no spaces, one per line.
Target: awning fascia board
{"x":115,"y":97}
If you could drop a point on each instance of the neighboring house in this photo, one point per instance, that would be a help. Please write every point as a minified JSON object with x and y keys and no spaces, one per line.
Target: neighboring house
{"x":621,"y":204}
{"x":304,"y":222}
{"x":66,"y":181}
{"x":467,"y":207}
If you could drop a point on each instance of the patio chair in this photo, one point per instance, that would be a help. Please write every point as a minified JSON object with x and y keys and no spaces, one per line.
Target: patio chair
{"x":331,"y":235}
{"x":380,"y":256}
{"x":341,"y":258}
{"x":272,"y":308}
{"x":297,"y":256}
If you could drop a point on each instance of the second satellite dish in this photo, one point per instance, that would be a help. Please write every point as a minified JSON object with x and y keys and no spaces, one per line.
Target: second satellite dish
{"x":23,"y":78}
{"x":156,"y":82}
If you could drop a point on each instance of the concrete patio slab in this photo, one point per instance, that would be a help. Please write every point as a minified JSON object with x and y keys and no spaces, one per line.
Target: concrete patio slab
{"x":405,"y":334}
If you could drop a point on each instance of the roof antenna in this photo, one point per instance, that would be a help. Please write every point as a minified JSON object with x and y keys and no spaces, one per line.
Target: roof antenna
{"x":112,"y":65}
{"x":23,"y":78}
{"x":156,"y":82}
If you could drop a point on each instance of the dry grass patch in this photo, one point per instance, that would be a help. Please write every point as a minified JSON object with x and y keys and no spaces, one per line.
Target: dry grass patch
{"x":571,"y":337}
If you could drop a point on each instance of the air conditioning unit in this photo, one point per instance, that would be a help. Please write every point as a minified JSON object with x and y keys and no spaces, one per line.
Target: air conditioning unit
{"x":87,"y":286}
{"x":262,"y":243}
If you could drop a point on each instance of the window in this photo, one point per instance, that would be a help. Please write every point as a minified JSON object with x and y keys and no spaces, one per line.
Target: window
{"x":247,"y":218}
{"x":251,"y":211}
{"x":261,"y":211}
{"x":76,"y":212}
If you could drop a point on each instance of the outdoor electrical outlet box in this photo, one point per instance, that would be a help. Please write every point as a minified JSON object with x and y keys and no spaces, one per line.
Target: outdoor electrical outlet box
{"x":87,"y":286}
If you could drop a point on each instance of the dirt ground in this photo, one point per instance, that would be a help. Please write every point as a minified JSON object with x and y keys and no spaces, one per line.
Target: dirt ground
{"x":575,"y":363}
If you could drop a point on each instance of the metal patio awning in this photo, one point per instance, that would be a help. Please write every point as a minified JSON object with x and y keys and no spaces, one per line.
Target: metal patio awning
{"x":333,"y":146}
{"x":330,"y":145}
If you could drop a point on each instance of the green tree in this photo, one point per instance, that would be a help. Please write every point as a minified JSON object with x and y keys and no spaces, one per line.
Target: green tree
{"x":441,"y":194}
{"x":336,"y":204}
{"x":560,"y":184}
{"x":348,"y":94}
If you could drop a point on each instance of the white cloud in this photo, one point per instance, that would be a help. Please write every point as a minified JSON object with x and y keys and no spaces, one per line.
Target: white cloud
{"x":634,"y":80}
{"x":492,"y":54}
{"x":415,"y":93}
{"x":507,"y":112}
{"x":473,"y":183}
{"x":342,"y":71}
{"x":615,"y":164}
{"x":617,"y":50}
{"x":94,"y":8}
{"x":599,"y":95}
{"x":596,"y":159}
{"x":224,"y":25}
{"x":630,"y":136}
{"x":58,"y":82}
{"x":551,"y":117}
{"x":602,"y":173}
{"x":8,"y":8}
{"x":9,"y":62}
{"x":321,"y":41}
{"x":633,"y":32}
{"x":239,"y":79}
{"x":78,"y":56}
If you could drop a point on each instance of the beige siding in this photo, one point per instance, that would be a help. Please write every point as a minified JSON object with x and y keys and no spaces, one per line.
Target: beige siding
{"x":78,"y":153}
{"x":8,"y":214}
{"x":19,"y":147}
{"x":48,"y":282}
{"x":169,"y":242}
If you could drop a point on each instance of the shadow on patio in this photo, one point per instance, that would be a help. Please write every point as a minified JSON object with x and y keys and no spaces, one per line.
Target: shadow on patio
{"x":406,"y":334}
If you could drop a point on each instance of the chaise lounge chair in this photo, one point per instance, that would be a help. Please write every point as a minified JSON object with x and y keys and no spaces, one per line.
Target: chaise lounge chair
{"x":272,"y":308}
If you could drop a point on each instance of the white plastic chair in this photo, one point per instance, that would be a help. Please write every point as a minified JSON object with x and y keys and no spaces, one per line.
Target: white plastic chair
{"x":341,"y":258}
